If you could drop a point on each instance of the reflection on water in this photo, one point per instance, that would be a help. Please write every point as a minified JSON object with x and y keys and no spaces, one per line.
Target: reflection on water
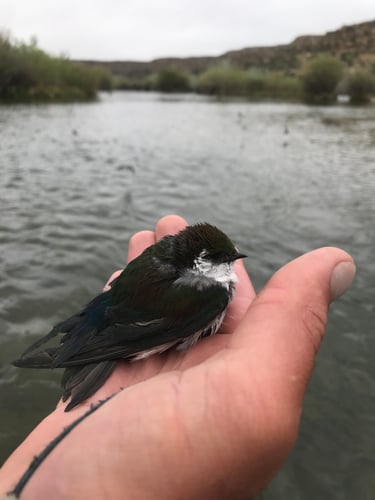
{"x":280,"y":179}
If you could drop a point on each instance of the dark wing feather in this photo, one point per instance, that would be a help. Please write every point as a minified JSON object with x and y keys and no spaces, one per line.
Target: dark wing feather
{"x":111,"y":327}
{"x":191,"y":312}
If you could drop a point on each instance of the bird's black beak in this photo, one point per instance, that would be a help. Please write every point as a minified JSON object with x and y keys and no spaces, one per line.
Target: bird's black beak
{"x":237,"y":255}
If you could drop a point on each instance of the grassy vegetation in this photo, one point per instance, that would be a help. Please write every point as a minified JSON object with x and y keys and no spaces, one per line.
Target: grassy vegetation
{"x":221,"y":81}
{"x":29,"y":74}
{"x":123,"y":83}
{"x":253,"y":83}
{"x":167,"y":80}
{"x":321,"y":79}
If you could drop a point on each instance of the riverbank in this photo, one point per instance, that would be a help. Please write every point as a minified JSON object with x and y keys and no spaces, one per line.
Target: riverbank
{"x":321,"y":81}
{"x":27,"y":74}
{"x":315,"y":69}
{"x":219,"y":81}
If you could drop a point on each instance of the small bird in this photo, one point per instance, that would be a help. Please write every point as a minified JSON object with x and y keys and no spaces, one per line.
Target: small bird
{"x":170,"y":296}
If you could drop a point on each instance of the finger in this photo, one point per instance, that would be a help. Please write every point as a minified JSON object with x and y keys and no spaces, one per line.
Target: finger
{"x":112,"y":277}
{"x":170,"y":224}
{"x":243,"y":297}
{"x":285,"y":324}
{"x":139,"y":242}
{"x":244,"y":287}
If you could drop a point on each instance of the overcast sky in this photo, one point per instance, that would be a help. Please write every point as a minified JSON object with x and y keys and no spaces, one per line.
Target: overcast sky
{"x":146,"y":29}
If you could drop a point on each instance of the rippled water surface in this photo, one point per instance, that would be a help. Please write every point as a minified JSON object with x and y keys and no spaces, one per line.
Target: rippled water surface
{"x":77,"y":180}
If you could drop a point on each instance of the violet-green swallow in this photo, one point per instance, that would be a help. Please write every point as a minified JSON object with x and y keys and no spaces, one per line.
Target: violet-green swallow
{"x":170,"y":296}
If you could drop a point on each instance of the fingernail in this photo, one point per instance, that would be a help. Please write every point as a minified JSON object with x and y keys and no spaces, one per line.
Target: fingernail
{"x":341,"y":278}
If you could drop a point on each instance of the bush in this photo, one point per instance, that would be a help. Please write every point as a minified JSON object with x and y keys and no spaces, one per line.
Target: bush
{"x":254,"y":83}
{"x":281,"y":86}
{"x":223,"y":81}
{"x":172,"y":80}
{"x":361,"y":85}
{"x":28,"y":73}
{"x":321,"y":78}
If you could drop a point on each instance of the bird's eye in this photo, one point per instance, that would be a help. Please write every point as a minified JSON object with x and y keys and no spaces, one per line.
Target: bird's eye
{"x":217,"y":256}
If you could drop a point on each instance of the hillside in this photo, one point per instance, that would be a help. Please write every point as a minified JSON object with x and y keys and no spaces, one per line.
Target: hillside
{"x":354,"y":45}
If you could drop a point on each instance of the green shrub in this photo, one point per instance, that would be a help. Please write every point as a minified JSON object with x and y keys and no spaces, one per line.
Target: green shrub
{"x":321,"y":77}
{"x":254,"y":83}
{"x":348,"y":58}
{"x":172,"y":80}
{"x":223,"y":81}
{"x":361,"y":85}
{"x":281,"y":86}
{"x":28,"y":73}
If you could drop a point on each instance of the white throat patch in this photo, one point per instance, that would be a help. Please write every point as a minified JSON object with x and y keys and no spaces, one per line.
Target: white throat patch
{"x":222,"y":273}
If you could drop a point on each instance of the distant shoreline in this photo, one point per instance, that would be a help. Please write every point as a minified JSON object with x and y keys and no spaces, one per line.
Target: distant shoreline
{"x":314,"y":69}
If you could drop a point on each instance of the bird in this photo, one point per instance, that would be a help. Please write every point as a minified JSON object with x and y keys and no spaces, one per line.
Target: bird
{"x":174,"y":293}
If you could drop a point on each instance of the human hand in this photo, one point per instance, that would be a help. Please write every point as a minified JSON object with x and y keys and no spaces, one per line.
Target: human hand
{"x":214,"y":422}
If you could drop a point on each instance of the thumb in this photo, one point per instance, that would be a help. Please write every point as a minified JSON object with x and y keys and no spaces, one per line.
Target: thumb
{"x":285,"y":324}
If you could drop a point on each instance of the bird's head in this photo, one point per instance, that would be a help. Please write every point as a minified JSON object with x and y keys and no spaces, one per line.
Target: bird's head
{"x":205,"y":250}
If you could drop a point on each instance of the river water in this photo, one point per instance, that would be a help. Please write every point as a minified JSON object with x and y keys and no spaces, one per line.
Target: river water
{"x":77,"y":180}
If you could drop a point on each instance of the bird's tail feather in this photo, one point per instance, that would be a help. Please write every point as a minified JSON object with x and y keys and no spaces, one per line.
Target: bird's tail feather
{"x":81,"y":382}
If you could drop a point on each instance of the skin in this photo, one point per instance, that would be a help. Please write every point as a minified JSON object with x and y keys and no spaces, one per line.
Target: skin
{"x":215,"y":422}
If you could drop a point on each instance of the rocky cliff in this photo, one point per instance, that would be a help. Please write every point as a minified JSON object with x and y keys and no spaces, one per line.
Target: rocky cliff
{"x":354,"y":44}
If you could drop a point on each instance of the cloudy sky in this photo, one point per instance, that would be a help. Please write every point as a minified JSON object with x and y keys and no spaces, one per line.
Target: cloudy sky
{"x":146,"y":29}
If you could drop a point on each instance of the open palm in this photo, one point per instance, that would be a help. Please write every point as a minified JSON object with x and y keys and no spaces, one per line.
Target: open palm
{"x":127,"y":373}
{"x":214,"y":422}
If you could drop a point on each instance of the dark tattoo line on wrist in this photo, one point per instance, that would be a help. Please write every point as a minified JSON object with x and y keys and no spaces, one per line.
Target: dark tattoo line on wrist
{"x":39,"y":459}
